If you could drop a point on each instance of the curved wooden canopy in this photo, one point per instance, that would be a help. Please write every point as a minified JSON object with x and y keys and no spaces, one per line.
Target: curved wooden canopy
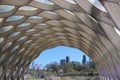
{"x":28,"y":27}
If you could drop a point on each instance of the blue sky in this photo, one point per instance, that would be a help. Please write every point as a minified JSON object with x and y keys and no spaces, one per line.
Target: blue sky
{"x":58,"y":53}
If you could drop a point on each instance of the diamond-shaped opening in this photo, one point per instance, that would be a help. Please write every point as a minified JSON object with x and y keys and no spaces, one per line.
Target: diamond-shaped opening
{"x":5,"y":29}
{"x":14,"y":18}
{"x":7,"y":46}
{"x":13,"y":34}
{"x":27,"y":8}
{"x":6,"y":8}
{"x":23,"y":25}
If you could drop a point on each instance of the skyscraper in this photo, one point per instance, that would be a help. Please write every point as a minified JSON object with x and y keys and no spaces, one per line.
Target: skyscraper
{"x":84,"y":60}
{"x":67,"y":59}
{"x":62,"y":62}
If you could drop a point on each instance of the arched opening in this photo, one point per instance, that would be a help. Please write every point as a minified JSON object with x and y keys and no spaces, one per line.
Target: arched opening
{"x":57,"y":53}
{"x":63,"y":62}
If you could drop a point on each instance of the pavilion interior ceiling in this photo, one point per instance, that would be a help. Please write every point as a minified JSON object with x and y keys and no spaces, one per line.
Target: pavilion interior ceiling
{"x":28,"y":27}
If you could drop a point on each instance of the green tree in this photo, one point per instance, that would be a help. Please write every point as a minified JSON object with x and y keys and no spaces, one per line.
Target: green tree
{"x":52,"y":67}
{"x":69,"y":69}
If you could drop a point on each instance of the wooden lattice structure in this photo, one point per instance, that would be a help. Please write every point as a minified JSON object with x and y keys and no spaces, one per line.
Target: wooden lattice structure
{"x":28,"y":27}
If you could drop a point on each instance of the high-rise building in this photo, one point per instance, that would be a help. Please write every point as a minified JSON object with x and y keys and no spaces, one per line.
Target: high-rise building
{"x":67,"y":59}
{"x":62,"y":62}
{"x":84,"y":60}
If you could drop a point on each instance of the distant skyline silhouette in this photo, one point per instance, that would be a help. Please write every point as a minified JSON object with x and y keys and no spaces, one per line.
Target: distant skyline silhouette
{"x":58,"y":53}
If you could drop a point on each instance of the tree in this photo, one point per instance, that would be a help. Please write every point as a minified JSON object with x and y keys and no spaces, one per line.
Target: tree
{"x":69,"y":69}
{"x":52,"y":67}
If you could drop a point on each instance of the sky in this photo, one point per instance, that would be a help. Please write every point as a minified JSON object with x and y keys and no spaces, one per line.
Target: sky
{"x":57,"y":53}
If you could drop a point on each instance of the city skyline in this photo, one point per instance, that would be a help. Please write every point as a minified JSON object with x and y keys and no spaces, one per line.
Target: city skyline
{"x":58,"y":53}
{"x":67,"y":60}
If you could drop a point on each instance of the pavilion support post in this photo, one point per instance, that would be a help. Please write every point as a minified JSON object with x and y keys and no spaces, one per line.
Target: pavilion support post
{"x":3,"y":75}
{"x":12,"y":78}
{"x":11,"y":73}
{"x":22,"y":74}
{"x":17,"y":73}
{"x":18,"y":77}
{"x":5,"y":70}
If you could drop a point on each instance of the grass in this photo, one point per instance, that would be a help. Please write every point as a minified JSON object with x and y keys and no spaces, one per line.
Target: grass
{"x":31,"y":78}
{"x":65,"y":78}
{"x":79,"y":79}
